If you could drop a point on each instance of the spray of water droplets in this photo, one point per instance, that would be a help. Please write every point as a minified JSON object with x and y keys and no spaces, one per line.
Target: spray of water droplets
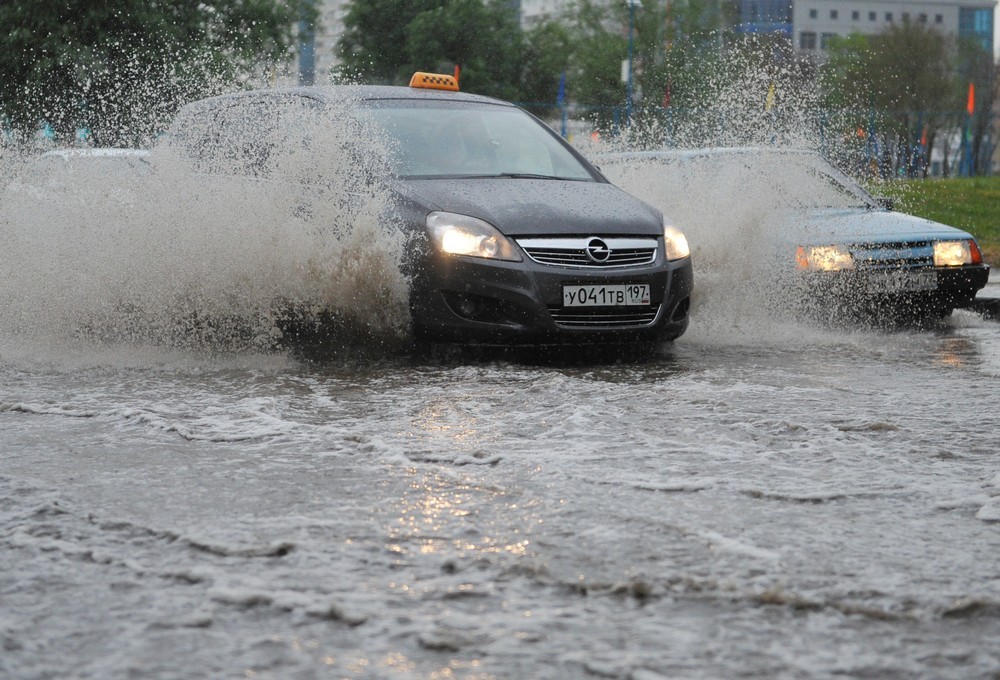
{"x":206,"y":247}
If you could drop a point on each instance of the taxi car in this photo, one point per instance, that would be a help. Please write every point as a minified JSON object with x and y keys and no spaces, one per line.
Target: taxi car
{"x":514,"y":237}
{"x":838,"y":247}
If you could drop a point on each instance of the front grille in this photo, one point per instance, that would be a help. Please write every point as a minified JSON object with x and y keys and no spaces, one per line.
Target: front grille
{"x":573,"y":252}
{"x":567,"y":317}
{"x":876,"y":256}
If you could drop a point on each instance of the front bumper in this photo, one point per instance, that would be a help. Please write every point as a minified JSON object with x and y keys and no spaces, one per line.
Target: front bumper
{"x":469,"y":300}
{"x":930,"y":291}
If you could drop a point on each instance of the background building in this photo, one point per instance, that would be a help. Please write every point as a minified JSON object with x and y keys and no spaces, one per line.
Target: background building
{"x":816,"y":21}
{"x":766,"y":16}
{"x":318,"y":49}
{"x":533,"y":11}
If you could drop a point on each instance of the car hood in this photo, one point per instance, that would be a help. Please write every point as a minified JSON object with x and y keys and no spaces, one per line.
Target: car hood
{"x":858,"y":225}
{"x":523,"y":207}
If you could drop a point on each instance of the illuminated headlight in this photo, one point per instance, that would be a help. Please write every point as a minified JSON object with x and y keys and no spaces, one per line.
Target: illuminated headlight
{"x":823,"y":258}
{"x":675,"y":242}
{"x":954,"y":253}
{"x":464,"y":235}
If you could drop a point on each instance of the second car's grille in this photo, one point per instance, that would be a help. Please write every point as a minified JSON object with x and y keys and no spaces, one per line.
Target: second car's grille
{"x":603,"y":317}
{"x":591,"y":252}
{"x":892,"y":255}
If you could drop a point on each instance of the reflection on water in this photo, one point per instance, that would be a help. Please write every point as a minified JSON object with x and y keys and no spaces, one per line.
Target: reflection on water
{"x":956,"y":352}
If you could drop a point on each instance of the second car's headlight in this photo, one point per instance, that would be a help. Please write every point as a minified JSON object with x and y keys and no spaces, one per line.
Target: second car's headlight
{"x":824,"y":258}
{"x":455,"y":234}
{"x":955,"y":253}
{"x":675,"y":242}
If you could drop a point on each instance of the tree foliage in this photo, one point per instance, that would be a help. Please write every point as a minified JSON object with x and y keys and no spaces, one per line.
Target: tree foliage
{"x":907,"y":67}
{"x":373,"y":46}
{"x":484,"y":39}
{"x":675,"y":48}
{"x":911,"y":81}
{"x":386,"y":41}
{"x":120,"y":67}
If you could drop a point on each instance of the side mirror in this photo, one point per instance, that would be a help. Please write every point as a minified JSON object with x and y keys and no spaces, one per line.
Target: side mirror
{"x":886,"y":202}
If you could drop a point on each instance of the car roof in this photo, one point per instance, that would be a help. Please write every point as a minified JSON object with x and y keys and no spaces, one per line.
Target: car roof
{"x":688,"y":153}
{"x":95,"y":152}
{"x":334,"y":94}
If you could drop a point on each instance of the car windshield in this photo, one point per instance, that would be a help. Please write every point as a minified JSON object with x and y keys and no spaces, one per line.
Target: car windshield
{"x":439,"y":139}
{"x":783,"y":180}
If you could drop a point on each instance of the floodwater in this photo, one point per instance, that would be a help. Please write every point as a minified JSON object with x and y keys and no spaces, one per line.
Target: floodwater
{"x":762,"y":498}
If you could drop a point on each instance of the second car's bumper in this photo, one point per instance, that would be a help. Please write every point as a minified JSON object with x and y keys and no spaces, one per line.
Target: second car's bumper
{"x":934,"y":290}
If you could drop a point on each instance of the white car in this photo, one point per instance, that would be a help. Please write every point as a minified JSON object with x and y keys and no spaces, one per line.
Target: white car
{"x":80,"y":173}
{"x":838,"y":247}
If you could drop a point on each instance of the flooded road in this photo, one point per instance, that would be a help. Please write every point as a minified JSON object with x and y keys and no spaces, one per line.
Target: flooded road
{"x":762,"y":498}
{"x":778,"y":501}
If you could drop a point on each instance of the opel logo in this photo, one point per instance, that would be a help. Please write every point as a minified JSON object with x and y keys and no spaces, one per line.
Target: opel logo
{"x":598,"y":251}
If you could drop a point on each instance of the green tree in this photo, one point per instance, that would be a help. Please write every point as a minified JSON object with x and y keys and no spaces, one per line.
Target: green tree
{"x":904,"y":79}
{"x":546,"y":57}
{"x":386,"y":41}
{"x":372,"y":47}
{"x":121,"y":67}
{"x":587,"y":43}
{"x":483,"y":38}
{"x":596,"y":57}
{"x":978,"y":67}
{"x":674,"y":46}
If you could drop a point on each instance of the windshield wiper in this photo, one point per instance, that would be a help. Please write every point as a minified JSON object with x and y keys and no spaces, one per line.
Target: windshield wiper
{"x":531,"y":175}
{"x":499,"y":175}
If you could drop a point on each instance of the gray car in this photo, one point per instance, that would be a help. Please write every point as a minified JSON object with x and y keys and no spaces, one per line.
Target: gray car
{"x":836,"y":245}
{"x":513,"y":236}
{"x":71,"y":172}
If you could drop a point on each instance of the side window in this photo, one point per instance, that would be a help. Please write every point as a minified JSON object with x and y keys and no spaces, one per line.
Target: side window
{"x":245,"y":139}
{"x":193,"y":134}
{"x":239,"y":135}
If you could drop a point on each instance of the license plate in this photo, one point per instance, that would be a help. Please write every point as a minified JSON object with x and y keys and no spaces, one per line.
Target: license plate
{"x":624,"y":295}
{"x":901,"y":282}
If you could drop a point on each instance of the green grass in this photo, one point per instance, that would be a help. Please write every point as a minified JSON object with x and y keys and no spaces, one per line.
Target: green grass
{"x":972,"y":204}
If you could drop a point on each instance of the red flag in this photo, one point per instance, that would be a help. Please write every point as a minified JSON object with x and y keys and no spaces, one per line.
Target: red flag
{"x":923,"y":137}
{"x":971,"y":106}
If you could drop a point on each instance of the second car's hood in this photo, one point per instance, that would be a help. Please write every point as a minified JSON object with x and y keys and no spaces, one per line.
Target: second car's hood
{"x":849,"y":225}
{"x":521,"y":207}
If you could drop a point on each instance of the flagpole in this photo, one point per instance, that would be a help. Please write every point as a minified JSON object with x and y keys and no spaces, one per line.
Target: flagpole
{"x":561,"y":101}
{"x":628,"y":81}
{"x":968,"y":161}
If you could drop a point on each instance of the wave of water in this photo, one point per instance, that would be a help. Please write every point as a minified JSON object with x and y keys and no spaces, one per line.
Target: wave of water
{"x":177,"y":258}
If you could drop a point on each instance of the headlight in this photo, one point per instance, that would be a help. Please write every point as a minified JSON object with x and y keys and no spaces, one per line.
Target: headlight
{"x":463,"y":235}
{"x":956,"y":253}
{"x":675,"y":242}
{"x":823,"y":258}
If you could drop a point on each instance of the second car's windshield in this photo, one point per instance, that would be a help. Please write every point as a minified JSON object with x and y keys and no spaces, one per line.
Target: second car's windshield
{"x":790,"y":181}
{"x":442,"y":139}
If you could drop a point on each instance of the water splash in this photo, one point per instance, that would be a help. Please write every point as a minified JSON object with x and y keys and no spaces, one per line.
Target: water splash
{"x":218,"y":261}
{"x":740,"y":217}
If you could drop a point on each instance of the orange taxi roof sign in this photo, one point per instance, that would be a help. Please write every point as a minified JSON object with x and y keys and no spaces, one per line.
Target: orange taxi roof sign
{"x":434,"y":81}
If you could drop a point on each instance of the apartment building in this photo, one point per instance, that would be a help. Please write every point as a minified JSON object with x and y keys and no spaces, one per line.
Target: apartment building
{"x":534,"y":11}
{"x":814,"y":22}
{"x":810,"y":24}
